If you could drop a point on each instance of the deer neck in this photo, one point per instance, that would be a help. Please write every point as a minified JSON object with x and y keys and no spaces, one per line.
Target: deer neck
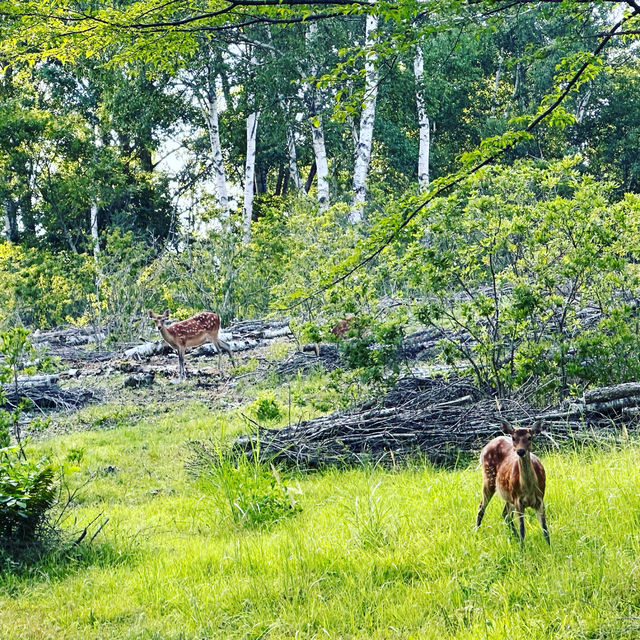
{"x":167,"y":336}
{"x":527,"y":474}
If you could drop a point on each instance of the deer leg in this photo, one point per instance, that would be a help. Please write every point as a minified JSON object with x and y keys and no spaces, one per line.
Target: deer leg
{"x":520,"y":512}
{"x":183,"y":373}
{"x":507,"y":514}
{"x":220,"y":347}
{"x":543,"y":523}
{"x":487,"y":493}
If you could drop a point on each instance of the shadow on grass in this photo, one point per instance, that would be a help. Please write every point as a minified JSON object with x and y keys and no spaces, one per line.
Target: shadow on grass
{"x":52,"y":560}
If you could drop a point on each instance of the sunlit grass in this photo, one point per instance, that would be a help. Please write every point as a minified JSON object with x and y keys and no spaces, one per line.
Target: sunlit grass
{"x":374,"y":553}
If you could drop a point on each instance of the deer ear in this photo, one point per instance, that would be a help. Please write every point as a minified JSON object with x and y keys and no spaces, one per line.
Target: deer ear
{"x":166,"y":313}
{"x":537,"y":427}
{"x":506,"y":427}
{"x":151,"y":314}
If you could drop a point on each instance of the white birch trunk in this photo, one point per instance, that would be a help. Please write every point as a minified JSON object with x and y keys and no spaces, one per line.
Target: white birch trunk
{"x":213,"y":126}
{"x":249,"y":175}
{"x":317,"y":131}
{"x":294,"y":174}
{"x":293,"y":160}
{"x":94,"y":231}
{"x":367,"y":120}
{"x":95,"y":238}
{"x":496,"y":84}
{"x":424,"y":125}
{"x":322,"y":166}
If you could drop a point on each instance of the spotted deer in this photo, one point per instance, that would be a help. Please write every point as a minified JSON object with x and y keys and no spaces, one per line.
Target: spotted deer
{"x":201,"y":328}
{"x":509,"y":467}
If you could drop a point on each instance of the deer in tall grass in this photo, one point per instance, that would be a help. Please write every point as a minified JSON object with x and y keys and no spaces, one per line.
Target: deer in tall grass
{"x":509,"y":467}
{"x":201,"y":328}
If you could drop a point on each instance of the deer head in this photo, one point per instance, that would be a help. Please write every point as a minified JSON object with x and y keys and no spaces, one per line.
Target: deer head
{"x":521,"y":436}
{"x":160,"y":319}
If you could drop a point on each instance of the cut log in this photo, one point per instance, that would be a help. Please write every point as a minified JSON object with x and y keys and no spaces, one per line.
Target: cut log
{"x":46,"y":394}
{"x":605,"y":394}
{"x":147,"y":350}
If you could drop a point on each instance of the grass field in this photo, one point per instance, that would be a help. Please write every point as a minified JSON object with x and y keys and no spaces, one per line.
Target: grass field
{"x":373,"y":553}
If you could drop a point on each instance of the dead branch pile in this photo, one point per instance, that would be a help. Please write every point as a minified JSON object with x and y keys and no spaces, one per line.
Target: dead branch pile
{"x":43,"y":391}
{"x":68,"y":336}
{"x":440,"y":419}
{"x":326,"y":358}
{"x":66,"y":343}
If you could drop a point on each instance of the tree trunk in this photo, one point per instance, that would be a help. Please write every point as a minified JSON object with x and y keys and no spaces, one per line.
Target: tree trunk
{"x":11,"y":220}
{"x":367,"y":120}
{"x":94,"y":231}
{"x":279,"y":181}
{"x":496,"y":84}
{"x":293,"y":160}
{"x":423,"y":120}
{"x":95,"y":238}
{"x":222,"y":192}
{"x":310,"y":177}
{"x":317,"y":131}
{"x":249,"y":175}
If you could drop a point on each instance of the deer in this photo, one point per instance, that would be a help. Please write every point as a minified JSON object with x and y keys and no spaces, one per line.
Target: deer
{"x":509,"y":467}
{"x":197,"y":330}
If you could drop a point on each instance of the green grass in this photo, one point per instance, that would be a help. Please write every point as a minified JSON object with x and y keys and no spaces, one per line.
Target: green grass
{"x":373,"y":553}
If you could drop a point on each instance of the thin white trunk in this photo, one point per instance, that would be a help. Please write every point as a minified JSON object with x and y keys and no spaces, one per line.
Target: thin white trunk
{"x":423,"y":120}
{"x":317,"y":131}
{"x":583,"y":102}
{"x":249,"y":175}
{"x":322,"y":166}
{"x":367,"y":120}
{"x":496,"y":84}
{"x":294,"y":174}
{"x":95,"y":238}
{"x":222,"y":192}
{"x":94,"y":230}
{"x":293,"y":160}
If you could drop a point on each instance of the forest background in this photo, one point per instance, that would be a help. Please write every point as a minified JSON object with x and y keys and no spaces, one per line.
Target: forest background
{"x":245,"y":157}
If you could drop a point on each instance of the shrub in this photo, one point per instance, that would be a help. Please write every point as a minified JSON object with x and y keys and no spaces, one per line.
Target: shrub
{"x":27,"y":493}
{"x":266,"y":408}
{"x":516,"y":266}
{"x":376,"y":350}
{"x":249,"y":492}
{"x":41,"y":288}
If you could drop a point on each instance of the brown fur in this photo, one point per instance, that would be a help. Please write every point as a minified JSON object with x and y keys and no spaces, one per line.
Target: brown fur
{"x":201,"y":328}
{"x":341,"y":328}
{"x":520,"y":480}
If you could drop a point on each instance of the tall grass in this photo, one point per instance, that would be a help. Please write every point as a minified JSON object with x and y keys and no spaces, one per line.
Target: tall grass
{"x":373,"y":553}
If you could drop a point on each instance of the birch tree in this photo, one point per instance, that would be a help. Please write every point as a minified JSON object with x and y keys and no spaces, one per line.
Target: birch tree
{"x":202,"y":79}
{"x":250,"y":164}
{"x":210,"y":107}
{"x":315,"y":122}
{"x":367,"y":120}
{"x":292,"y":155}
{"x":93,"y":214}
{"x":249,"y":175}
{"x":424,"y":125}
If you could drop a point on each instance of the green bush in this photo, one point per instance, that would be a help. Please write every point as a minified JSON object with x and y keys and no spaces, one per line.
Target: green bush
{"x":517,"y":264}
{"x":43,"y":289}
{"x":266,"y":408}
{"x":27,"y":493}
{"x":376,"y":350}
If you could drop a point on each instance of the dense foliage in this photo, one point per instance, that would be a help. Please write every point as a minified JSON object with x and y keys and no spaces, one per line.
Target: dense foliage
{"x":122,"y":176}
